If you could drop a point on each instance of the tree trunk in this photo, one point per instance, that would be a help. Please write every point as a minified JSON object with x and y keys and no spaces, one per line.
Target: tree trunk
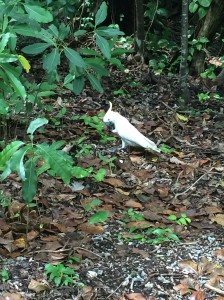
{"x":184,"y":90}
{"x":211,"y":25}
{"x":140,"y":33}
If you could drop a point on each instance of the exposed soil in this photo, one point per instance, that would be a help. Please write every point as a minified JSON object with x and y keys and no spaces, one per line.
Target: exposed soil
{"x":114,"y":263}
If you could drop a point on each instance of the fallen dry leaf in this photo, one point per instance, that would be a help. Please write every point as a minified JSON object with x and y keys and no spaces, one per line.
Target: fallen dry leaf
{"x":185,"y":285}
{"x":219,"y":219}
{"x":189,"y":266}
{"x":91,"y":228}
{"x":197,"y":295}
{"x":135,"y":296}
{"x":37,"y":286}
{"x":115,"y":182}
{"x":140,"y":224}
{"x":133,"y":203}
{"x":143,"y":253}
{"x":12,"y":296}
{"x":219,"y":253}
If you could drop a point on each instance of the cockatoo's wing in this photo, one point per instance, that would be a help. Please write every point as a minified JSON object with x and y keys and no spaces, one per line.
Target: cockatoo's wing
{"x":131,"y":136}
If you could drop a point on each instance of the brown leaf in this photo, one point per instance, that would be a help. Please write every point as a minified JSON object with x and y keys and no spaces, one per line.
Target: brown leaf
{"x":135,"y":296}
{"x":20,"y":243}
{"x":189,"y":266}
{"x":212,"y":210}
{"x":37,"y":286}
{"x":197,"y":295}
{"x":91,"y":228}
{"x":133,"y":203}
{"x":12,"y":296}
{"x":219,"y":253}
{"x":32,"y":235}
{"x":115,"y":182}
{"x":184,"y":286}
{"x":219,"y":219}
{"x":140,"y":224}
{"x":144,"y":253}
{"x":122,"y":192}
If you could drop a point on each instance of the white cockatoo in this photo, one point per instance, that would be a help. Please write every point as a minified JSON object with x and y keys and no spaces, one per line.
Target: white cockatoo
{"x":129,"y":135}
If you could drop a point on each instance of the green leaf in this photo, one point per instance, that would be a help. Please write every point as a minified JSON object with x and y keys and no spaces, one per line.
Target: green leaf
{"x":95,"y":83}
{"x":4,"y":107}
{"x":51,"y":61}
{"x":91,"y":52}
{"x":29,"y":187}
{"x":103,"y":45}
{"x":205,"y":3}
{"x":101,"y":14}
{"x":7,"y":153}
{"x":53,"y":30}
{"x":17,"y":85}
{"x":182,"y":117}
{"x":78,"y":85}
{"x":79,"y":32}
{"x":36,"y":124}
{"x":4,"y":41}
{"x":109,"y":32}
{"x":16,"y":162}
{"x":99,"y":69}
{"x":38,"y":13}
{"x":193,"y":7}
{"x":99,"y":176}
{"x":74,"y":57}
{"x":6,"y":58}
{"x":60,"y":163}
{"x":202,"y":13}
{"x":25,"y":30}
{"x":79,"y":172}
{"x":35,"y":48}
{"x":99,"y":216}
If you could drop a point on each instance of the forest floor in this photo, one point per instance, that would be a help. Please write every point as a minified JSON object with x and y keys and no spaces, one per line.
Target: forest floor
{"x":140,"y":188}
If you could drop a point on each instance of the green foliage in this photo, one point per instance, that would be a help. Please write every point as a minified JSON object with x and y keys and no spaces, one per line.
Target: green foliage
{"x":90,"y":205}
{"x":108,"y":161}
{"x":183,"y":220}
{"x":133,"y":216}
{"x":4,"y":275}
{"x":200,"y":6}
{"x":99,"y":217}
{"x":196,"y":44}
{"x":61,"y":275}
{"x":202,"y":97}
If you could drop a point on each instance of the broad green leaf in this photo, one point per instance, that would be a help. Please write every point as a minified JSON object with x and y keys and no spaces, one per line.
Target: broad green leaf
{"x":38,"y":13}
{"x":60,"y":163}
{"x":99,"y":176}
{"x":35,"y":48}
{"x":17,"y":164}
{"x":6,"y":58}
{"x":99,"y":69}
{"x":36,"y":124}
{"x":4,"y":107}
{"x":25,"y":30}
{"x":17,"y":85}
{"x":79,"y":32}
{"x":182,"y":118}
{"x":4,"y":41}
{"x":51,"y":61}
{"x":95,"y":83}
{"x":202,"y":12}
{"x":193,"y":7}
{"x":205,"y":3}
{"x":91,"y":52}
{"x":53,"y":29}
{"x":79,"y":172}
{"x":101,"y":14}
{"x":29,"y":187}
{"x":109,"y":32}
{"x":78,"y":85}
{"x":25,"y":63}
{"x":68,"y":78}
{"x":7,"y":153}
{"x":203,"y":40}
{"x":103,"y":44}
{"x":99,"y":216}
{"x":74,"y":57}
{"x":46,"y":36}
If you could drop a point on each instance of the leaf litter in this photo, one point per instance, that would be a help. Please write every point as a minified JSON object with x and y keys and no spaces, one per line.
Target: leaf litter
{"x":189,"y":180}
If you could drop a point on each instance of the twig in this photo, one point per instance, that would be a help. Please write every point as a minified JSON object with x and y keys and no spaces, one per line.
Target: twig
{"x":217,"y":290}
{"x":111,"y":294}
{"x":189,"y":188}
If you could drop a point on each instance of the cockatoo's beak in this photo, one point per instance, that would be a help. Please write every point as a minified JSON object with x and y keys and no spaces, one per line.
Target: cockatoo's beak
{"x":110,"y":125}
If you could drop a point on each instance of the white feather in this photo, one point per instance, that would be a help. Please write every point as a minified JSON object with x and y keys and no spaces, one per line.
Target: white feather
{"x":130,"y":135}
